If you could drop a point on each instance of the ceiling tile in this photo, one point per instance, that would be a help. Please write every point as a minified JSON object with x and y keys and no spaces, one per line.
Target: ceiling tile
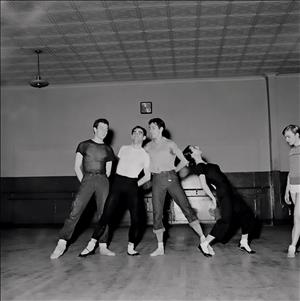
{"x":94,"y":41}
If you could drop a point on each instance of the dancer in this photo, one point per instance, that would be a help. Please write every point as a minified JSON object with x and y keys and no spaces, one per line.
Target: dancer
{"x":230,"y":206}
{"x":132,"y":160}
{"x":162,"y":153}
{"x":93,"y":164}
{"x":292,"y":137}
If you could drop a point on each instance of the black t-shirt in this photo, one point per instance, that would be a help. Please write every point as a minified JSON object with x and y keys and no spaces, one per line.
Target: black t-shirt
{"x":213,"y":175}
{"x":95,"y":155}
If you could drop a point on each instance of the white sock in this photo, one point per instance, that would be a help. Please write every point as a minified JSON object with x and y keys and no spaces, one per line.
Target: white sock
{"x":159,"y":251}
{"x":204,"y":242}
{"x":210,"y":250}
{"x":244,"y":237}
{"x":92,"y":243}
{"x":292,"y":249}
{"x":244,"y":243}
{"x":130,"y":249}
{"x":90,"y":246}
{"x":62,"y":241}
{"x":130,"y":246}
{"x":59,"y":249}
{"x":104,"y":250}
{"x":202,"y":239}
{"x":204,"y":246}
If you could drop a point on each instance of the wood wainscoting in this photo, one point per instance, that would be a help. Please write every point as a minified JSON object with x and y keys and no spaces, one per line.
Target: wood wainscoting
{"x":47,"y":200}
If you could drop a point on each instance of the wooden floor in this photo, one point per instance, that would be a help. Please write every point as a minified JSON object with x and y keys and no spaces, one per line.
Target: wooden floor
{"x":183,"y":273}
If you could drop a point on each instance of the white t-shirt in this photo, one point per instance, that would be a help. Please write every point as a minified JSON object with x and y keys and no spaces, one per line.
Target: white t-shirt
{"x":132,"y":161}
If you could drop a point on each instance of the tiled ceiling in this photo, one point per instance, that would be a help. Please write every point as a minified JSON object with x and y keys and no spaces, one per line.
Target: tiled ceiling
{"x":108,"y":41}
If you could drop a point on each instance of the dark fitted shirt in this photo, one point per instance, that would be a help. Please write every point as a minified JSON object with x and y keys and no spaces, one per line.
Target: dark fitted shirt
{"x":214,"y":176}
{"x":224,"y":189}
{"x":95,"y":155}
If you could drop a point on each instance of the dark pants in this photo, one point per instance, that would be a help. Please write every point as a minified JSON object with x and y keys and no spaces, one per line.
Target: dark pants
{"x":222,"y":225}
{"x":233,"y":210}
{"x":167,"y":181}
{"x":124,"y":190}
{"x":90,"y":184}
{"x":244,"y":216}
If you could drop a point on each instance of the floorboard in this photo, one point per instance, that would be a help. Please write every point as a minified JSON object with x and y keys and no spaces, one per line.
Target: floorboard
{"x":183,"y":273}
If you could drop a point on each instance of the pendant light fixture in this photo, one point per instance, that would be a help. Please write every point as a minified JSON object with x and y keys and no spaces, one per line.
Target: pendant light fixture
{"x":38,"y":82}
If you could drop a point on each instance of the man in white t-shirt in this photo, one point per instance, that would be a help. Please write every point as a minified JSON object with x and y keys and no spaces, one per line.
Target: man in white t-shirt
{"x":132,"y":160}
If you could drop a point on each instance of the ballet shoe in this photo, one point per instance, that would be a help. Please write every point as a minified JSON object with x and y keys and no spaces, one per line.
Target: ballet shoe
{"x":211,"y":250}
{"x":133,"y":254}
{"x":105,"y":251}
{"x":158,"y":252}
{"x":206,"y":254}
{"x":291,"y":252}
{"x":92,"y":252}
{"x":244,"y":249}
{"x":59,"y":249}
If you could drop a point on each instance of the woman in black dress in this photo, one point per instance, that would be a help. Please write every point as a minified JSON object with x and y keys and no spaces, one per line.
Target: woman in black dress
{"x":230,"y":206}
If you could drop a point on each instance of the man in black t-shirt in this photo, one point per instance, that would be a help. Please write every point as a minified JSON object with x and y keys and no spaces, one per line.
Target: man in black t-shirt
{"x":93,"y":164}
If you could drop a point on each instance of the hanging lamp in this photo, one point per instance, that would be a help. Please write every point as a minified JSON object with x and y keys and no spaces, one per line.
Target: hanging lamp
{"x":38,"y":82}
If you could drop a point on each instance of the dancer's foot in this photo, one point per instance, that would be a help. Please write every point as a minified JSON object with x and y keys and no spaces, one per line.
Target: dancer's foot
{"x":131,"y":251}
{"x":291,"y":252}
{"x":245,"y":247}
{"x":203,"y":247}
{"x":89,"y":249}
{"x":211,"y":250}
{"x":59,"y":249}
{"x":105,"y":251}
{"x":134,"y":253}
{"x":158,"y":252}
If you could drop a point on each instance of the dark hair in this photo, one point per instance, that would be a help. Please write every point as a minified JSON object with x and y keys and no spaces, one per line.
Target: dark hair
{"x":159,"y":122}
{"x":293,"y":128}
{"x":187,"y":152}
{"x":139,"y":127}
{"x":100,"y":120}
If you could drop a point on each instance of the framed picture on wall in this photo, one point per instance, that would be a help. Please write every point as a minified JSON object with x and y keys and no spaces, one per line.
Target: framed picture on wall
{"x":146,"y":107}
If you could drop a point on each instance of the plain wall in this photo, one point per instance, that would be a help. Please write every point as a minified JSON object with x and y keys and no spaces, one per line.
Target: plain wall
{"x":40,"y":128}
{"x":287,"y":102}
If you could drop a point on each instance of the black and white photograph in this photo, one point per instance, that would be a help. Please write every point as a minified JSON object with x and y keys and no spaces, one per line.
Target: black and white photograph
{"x":146,"y":107}
{"x":150,"y":150}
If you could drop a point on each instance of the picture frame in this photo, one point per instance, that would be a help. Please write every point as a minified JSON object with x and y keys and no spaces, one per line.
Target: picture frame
{"x":146,"y":107}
